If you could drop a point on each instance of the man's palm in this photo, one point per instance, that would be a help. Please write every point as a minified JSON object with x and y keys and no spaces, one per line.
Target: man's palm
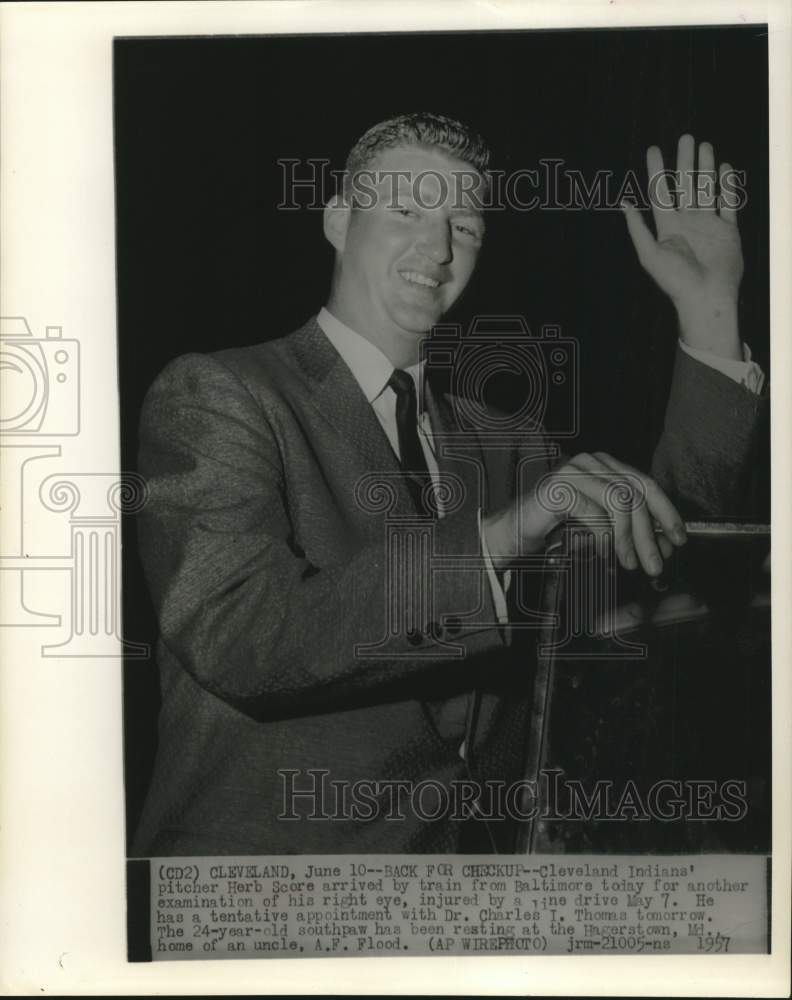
{"x":697,"y":252}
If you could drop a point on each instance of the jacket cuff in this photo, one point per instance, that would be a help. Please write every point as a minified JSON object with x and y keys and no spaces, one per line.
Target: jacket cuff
{"x":746,"y":372}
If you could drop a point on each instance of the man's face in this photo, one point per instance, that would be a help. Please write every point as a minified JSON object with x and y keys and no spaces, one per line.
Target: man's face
{"x":411,"y":246}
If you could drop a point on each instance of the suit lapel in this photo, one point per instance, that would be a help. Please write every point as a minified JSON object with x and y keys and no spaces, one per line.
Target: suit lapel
{"x":334,"y":391}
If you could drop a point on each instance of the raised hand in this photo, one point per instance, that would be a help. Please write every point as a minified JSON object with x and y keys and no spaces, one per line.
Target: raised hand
{"x":696,"y":258}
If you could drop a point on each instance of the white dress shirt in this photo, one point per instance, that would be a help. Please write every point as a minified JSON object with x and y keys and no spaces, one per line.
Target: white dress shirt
{"x":372,"y":371}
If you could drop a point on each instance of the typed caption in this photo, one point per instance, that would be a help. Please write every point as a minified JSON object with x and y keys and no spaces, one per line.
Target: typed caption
{"x":344,"y":906}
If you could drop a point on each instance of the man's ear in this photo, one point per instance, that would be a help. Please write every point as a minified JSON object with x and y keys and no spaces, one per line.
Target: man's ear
{"x":336,"y":221}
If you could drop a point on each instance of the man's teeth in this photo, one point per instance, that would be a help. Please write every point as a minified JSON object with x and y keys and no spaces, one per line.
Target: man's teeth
{"x":419,"y":279}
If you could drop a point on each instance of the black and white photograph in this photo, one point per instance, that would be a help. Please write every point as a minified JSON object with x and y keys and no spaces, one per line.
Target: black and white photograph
{"x":456,"y":531}
{"x":435,"y":569}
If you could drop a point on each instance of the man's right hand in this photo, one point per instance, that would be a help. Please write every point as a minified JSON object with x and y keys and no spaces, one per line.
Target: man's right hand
{"x":597,"y":491}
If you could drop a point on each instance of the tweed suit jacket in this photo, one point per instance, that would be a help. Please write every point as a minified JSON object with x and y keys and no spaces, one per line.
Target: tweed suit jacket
{"x":267,"y":573}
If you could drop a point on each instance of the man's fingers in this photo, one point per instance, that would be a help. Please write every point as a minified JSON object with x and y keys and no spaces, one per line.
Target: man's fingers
{"x":686,"y":151}
{"x":610,"y":496}
{"x":624,"y":545}
{"x":582,"y":495}
{"x":705,"y":182}
{"x":728,"y":200}
{"x":603,"y":488}
{"x":650,"y":505}
{"x":665,"y":513}
{"x":590,"y":515}
{"x":645,"y":542}
{"x":628,"y":497}
{"x":660,"y":507}
{"x":666,"y":547}
{"x":640,"y":234}
{"x":660,"y":196}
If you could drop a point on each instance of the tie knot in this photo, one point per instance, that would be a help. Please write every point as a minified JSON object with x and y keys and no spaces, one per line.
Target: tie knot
{"x":402,"y":384}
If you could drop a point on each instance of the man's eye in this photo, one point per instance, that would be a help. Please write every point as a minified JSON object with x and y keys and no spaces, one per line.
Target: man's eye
{"x":407,"y":212}
{"x":466,"y":230}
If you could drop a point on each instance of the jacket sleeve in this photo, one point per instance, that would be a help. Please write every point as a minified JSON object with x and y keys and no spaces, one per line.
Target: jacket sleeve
{"x":704,"y":458}
{"x":238,"y":603}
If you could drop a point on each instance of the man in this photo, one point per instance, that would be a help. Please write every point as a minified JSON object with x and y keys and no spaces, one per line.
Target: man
{"x":295,"y":717}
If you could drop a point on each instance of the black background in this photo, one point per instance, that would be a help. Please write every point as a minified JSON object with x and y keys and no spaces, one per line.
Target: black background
{"x":205,"y":259}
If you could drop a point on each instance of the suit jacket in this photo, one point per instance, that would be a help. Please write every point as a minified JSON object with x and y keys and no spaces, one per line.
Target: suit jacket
{"x":268,"y":571}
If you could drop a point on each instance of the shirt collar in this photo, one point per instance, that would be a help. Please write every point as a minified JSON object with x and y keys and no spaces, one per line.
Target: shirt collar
{"x":369,"y":366}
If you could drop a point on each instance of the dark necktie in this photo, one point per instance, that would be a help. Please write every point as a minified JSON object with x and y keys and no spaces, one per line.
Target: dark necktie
{"x":413,"y":460}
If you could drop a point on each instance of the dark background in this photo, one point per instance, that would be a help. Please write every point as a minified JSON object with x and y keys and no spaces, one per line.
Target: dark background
{"x":205,"y":259}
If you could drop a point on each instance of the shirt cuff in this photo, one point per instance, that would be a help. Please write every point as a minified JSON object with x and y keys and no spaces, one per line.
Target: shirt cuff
{"x":498,"y":591}
{"x":746,"y":372}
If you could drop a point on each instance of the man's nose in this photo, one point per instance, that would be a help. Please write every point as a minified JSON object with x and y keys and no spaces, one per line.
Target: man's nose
{"x":435,"y":242}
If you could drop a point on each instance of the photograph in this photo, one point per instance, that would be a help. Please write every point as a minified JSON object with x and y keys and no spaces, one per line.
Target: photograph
{"x":451,"y":405}
{"x":393,"y":413}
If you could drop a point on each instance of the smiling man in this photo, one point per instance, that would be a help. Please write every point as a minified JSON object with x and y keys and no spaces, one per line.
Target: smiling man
{"x":296,"y":717}
{"x":405,"y":255}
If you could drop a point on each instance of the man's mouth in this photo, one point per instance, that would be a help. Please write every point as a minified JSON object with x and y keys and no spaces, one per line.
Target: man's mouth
{"x":422,"y":280}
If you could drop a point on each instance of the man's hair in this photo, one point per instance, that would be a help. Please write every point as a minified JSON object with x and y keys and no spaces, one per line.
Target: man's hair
{"x":423,"y":128}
